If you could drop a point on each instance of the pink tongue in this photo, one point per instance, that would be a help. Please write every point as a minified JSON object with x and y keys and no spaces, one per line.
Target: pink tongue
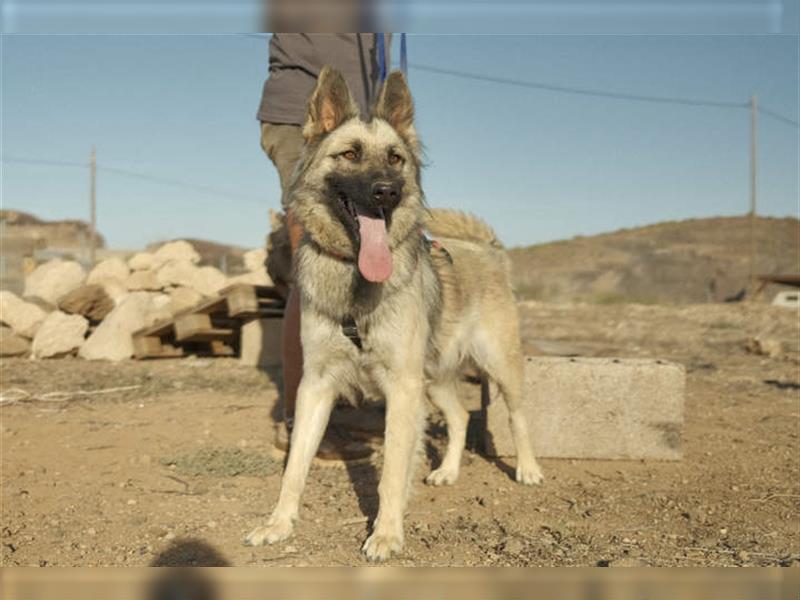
{"x":374,"y":258}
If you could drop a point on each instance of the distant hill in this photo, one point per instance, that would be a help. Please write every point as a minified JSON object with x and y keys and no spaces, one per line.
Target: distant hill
{"x":65,"y":234}
{"x":697,"y":260}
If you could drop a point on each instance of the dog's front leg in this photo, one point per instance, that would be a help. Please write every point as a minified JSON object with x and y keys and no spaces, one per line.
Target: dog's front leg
{"x":404,"y":415}
{"x":315,"y":398}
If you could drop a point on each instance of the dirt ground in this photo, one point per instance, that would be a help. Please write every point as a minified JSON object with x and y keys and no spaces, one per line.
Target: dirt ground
{"x":176,"y":467}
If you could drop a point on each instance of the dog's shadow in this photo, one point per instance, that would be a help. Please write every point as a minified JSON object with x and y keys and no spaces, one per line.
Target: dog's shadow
{"x":365,"y":477}
{"x":475,"y":446}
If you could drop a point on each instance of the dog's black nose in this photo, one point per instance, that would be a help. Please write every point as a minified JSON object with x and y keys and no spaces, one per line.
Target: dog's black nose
{"x":385,"y":192}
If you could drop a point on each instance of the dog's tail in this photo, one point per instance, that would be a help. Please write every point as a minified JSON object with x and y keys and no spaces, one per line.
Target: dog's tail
{"x":447,"y":223}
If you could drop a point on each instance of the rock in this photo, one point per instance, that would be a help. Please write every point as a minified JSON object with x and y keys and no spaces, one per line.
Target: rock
{"x":209,"y":280}
{"x":206,"y":280}
{"x":602,"y":408}
{"x":115,"y":289}
{"x":111,"y":268}
{"x":625,"y":561}
{"x":182,"y":298}
{"x":177,"y":273}
{"x":771,"y":347}
{"x":139,"y":281}
{"x":23,"y":317}
{"x":161,"y":302}
{"x":12,"y":344}
{"x":177,"y":251}
{"x":46,"y":306}
{"x":59,"y":335}
{"x":251,"y":278}
{"x":254,"y":260}
{"x":90,"y":301}
{"x":513,"y":545}
{"x":141,"y":261}
{"x":112,"y":340}
{"x":53,"y":279}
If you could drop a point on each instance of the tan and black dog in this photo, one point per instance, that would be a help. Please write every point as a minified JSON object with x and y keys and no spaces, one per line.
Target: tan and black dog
{"x":420,"y":314}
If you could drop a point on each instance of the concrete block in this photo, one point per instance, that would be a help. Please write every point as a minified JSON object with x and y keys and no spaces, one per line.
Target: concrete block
{"x":261,"y":342}
{"x":602,"y":408}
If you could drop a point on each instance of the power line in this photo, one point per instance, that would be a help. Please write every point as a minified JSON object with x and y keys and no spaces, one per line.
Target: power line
{"x":574,"y":90}
{"x":560,"y":88}
{"x":49,"y":163}
{"x":602,"y":93}
{"x":540,"y":85}
{"x":258,"y":36}
{"x":204,"y":189}
{"x":779,"y":117}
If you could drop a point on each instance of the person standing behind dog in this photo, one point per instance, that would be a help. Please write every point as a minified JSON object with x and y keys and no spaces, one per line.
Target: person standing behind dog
{"x":295,"y":61}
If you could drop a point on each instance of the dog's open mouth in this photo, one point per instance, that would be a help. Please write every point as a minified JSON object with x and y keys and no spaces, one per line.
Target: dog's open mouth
{"x":374,"y":256}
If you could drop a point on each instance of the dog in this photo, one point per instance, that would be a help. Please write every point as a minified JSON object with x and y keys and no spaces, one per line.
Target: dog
{"x":421,"y":310}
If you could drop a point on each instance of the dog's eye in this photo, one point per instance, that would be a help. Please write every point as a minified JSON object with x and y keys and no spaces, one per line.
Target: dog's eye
{"x":350,"y":155}
{"x":395,"y":159}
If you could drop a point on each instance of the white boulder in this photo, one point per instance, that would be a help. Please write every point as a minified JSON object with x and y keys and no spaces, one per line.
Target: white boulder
{"x":113,"y":340}
{"x":23,"y":317}
{"x":141,"y":261}
{"x":254,"y":259}
{"x":12,"y":344}
{"x":59,"y":334}
{"x":111,"y":268}
{"x":178,"y":251}
{"x":209,"y":280}
{"x":177,"y":273}
{"x":206,"y":280}
{"x":139,"y":281}
{"x":115,"y":289}
{"x":53,"y":279}
{"x":161,"y":302}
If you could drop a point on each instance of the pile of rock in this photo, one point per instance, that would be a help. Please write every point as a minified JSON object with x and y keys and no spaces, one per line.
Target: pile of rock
{"x":65,"y":310}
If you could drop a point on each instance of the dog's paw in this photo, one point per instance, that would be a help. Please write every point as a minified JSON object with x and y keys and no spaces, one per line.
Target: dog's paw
{"x":442,"y":476}
{"x":529,"y":473}
{"x":275,"y":530}
{"x":380,"y":546}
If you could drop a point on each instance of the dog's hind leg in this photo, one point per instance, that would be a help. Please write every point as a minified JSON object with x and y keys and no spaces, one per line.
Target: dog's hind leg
{"x":315,"y":398}
{"x":444,"y":395}
{"x":504,"y":368}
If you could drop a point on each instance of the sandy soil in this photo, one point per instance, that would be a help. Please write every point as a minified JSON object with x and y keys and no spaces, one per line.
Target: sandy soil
{"x":178,"y":467}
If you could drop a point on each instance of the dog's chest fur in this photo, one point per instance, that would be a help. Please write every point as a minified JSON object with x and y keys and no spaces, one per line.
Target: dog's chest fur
{"x":334,"y":292}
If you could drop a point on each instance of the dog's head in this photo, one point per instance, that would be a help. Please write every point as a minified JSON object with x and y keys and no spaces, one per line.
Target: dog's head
{"x":357,"y":190}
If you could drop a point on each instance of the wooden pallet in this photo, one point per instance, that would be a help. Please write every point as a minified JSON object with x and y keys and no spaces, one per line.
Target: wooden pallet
{"x":211,"y":328}
{"x":790,"y":279}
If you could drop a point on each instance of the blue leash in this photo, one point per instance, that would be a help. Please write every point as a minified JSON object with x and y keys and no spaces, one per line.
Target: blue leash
{"x":403,"y":55}
{"x":380,"y":48}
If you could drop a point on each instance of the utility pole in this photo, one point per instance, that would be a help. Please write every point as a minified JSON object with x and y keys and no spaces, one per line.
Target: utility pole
{"x":93,"y":206}
{"x":753,"y":181}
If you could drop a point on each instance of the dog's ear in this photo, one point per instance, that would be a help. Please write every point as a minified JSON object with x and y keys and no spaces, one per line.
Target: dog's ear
{"x":396,"y":106}
{"x":330,"y":105}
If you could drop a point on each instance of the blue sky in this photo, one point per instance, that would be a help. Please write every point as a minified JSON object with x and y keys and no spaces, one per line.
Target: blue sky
{"x":537,"y":165}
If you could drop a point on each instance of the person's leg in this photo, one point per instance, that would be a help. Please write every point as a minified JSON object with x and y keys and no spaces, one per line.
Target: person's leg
{"x":283,"y":144}
{"x":292,"y":348}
